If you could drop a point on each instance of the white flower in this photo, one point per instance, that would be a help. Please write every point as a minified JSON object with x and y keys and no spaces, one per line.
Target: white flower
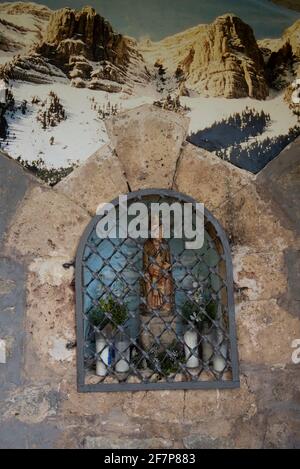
{"x":194,"y":317}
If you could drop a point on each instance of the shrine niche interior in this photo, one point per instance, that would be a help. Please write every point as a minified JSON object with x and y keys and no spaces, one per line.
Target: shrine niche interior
{"x":152,"y":314}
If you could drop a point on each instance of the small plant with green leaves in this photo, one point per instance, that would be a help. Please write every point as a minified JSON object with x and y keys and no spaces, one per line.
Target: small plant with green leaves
{"x":109,"y":311}
{"x":199,"y":310}
{"x":167,"y":361}
{"x":98,"y":318}
{"x":170,"y":362}
{"x":192,"y":314}
{"x":211,"y":310}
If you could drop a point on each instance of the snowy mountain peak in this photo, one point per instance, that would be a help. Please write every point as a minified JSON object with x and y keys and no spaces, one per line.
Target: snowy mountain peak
{"x":218,"y":59}
{"x":81,"y":46}
{"x":21,"y":26}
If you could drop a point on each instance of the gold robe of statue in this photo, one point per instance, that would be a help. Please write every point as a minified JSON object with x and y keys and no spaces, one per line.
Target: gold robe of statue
{"x":157,"y":285}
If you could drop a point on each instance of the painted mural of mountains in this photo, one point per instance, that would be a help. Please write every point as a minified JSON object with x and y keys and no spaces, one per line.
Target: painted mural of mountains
{"x":69,"y":69}
{"x":219,"y":59}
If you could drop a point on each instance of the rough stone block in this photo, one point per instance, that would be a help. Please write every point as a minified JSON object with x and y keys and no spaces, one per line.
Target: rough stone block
{"x":273,"y":386}
{"x":219,"y":405}
{"x":160,"y":406}
{"x":148,"y":141}
{"x":31,"y":405}
{"x":251,"y":221}
{"x":281,"y":179}
{"x":259,"y":275}
{"x":207,"y":178}
{"x":14,"y":182}
{"x":266,"y":332}
{"x":51,"y":326}
{"x":46,"y":224}
{"x":283,"y":430}
{"x":99,"y":179}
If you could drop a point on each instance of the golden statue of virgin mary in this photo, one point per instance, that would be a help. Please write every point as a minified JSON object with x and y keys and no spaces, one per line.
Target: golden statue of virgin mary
{"x":158,"y":282}
{"x":157,"y":290}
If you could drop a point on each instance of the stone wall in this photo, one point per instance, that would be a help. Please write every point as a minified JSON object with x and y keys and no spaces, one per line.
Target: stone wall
{"x":40,"y":229}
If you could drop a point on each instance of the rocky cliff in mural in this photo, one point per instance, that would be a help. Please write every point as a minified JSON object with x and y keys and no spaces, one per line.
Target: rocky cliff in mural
{"x":221,"y":59}
{"x":74,"y":39}
{"x":80,"y":45}
{"x":21,"y":26}
{"x":218,"y":59}
{"x":282,"y":57}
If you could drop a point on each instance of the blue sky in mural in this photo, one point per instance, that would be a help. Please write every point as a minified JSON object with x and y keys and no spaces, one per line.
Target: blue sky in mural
{"x":159,"y":18}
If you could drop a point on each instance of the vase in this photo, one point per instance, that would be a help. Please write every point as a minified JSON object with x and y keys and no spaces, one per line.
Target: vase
{"x":104,"y":352}
{"x":191,"y":348}
{"x":122,"y":354}
{"x":219,"y":360}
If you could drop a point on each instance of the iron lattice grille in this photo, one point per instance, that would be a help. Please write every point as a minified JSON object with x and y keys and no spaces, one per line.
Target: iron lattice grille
{"x":176,"y":331}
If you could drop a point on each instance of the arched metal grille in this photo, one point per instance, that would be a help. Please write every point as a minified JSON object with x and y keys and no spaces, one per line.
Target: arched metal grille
{"x":125,"y":339}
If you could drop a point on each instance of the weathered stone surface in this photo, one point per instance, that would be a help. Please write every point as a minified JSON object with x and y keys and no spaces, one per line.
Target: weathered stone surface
{"x":50,"y":271}
{"x":148,"y":143}
{"x":249,"y":220}
{"x":14,"y":182}
{"x":259,"y":275}
{"x":283,"y":430}
{"x":249,"y":433}
{"x":12,"y":321}
{"x":109,"y":406}
{"x":280,"y":178}
{"x":6,"y":286}
{"x":210,"y":435}
{"x":65,"y":224}
{"x":291,"y":297}
{"x":31,"y":404}
{"x":100,"y":179}
{"x":102,"y":442}
{"x":273,"y":386}
{"x":266,"y":332}
{"x":207,"y":178}
{"x":18,"y":435}
{"x":168,"y":406}
{"x":219,"y":405}
{"x":50,"y":327}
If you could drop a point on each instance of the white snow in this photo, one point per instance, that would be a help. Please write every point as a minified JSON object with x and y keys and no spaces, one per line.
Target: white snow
{"x":75,"y":139}
{"x":83,"y":132}
{"x":21,"y":29}
{"x":205,"y":111}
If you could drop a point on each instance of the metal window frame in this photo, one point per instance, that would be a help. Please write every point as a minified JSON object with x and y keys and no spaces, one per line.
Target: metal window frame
{"x":128,"y":387}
